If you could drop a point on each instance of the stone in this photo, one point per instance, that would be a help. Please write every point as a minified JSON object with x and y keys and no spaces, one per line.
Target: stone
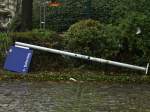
{"x":7,"y":12}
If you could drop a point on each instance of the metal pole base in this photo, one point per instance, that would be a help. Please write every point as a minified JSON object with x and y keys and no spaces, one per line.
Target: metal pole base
{"x":147,"y":68}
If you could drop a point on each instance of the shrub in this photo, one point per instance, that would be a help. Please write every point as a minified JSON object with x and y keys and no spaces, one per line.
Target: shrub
{"x":47,"y":38}
{"x":5,"y":42}
{"x":116,"y":42}
{"x":42,"y":60}
{"x":92,"y":38}
{"x":135,"y":46}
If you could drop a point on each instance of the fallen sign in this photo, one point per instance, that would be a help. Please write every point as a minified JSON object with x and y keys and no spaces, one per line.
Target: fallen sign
{"x":18,"y":59}
{"x":100,"y":60}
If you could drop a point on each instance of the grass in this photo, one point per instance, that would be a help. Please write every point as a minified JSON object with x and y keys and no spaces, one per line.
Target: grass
{"x":78,"y":75}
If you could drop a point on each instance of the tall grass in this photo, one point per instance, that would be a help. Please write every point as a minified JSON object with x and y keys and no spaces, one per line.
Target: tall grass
{"x":5,"y":42}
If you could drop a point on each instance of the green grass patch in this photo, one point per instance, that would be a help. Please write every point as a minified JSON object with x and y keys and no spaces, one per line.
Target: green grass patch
{"x":78,"y":75}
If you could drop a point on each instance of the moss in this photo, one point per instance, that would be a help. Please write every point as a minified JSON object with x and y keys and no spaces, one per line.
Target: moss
{"x":78,"y":75}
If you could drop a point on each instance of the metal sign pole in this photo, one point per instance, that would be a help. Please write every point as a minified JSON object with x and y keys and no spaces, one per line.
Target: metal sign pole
{"x":100,"y":60}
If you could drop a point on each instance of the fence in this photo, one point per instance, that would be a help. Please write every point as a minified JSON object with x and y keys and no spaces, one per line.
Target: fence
{"x":60,"y":17}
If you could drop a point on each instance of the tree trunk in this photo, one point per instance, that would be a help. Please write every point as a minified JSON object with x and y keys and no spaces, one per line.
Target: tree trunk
{"x":27,"y":15}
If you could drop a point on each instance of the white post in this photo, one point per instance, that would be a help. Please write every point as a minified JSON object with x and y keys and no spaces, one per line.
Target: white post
{"x":100,"y":60}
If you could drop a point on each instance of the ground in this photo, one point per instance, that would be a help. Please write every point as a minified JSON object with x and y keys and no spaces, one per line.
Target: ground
{"x":76,"y":75}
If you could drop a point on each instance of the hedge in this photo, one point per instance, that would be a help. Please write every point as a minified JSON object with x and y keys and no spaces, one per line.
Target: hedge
{"x":42,"y":61}
{"x":116,"y":42}
{"x":90,"y":37}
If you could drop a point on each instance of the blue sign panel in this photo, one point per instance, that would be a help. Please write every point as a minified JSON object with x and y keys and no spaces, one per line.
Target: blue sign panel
{"x":18,"y":59}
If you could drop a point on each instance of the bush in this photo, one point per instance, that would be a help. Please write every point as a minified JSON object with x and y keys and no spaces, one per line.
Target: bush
{"x":47,"y":38}
{"x":119,"y":43}
{"x":5,"y":42}
{"x":135,"y":46}
{"x":42,"y":60}
{"x":90,"y":37}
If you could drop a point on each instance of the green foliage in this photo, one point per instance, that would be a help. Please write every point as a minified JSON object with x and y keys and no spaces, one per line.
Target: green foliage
{"x":92,"y":38}
{"x":80,"y":76}
{"x":42,"y":60}
{"x":60,"y":18}
{"x":114,"y":37}
{"x":118,"y":42}
{"x":39,"y":37}
{"x":137,"y":45}
{"x":5,"y":42}
{"x":106,"y":11}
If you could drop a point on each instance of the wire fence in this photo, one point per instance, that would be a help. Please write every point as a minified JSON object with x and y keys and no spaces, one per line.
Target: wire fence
{"x":60,"y":17}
